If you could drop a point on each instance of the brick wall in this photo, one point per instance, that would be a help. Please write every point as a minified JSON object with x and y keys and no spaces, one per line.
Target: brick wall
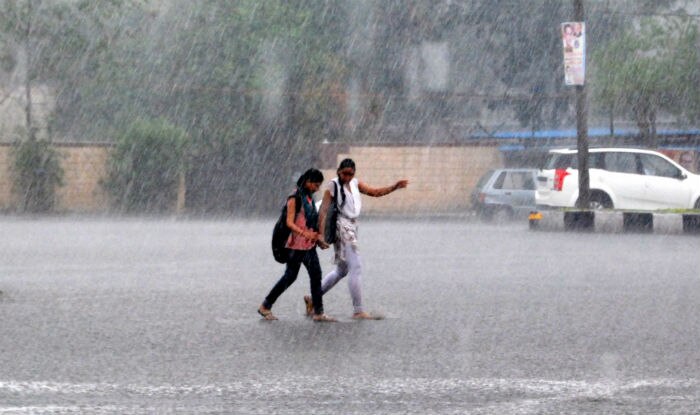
{"x":84,"y":165}
{"x":441,"y":177}
{"x":7,"y":200}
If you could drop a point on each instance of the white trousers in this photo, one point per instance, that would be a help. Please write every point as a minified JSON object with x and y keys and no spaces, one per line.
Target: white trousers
{"x":350,"y":266}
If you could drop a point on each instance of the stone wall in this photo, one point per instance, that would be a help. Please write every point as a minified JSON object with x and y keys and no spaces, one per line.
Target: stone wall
{"x":84,"y":166}
{"x":441,"y":177}
{"x":7,"y":199}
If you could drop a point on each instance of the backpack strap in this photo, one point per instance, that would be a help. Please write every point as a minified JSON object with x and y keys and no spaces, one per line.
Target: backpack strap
{"x":335,"y":196}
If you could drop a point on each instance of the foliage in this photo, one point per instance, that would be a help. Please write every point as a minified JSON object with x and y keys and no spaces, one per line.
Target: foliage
{"x":218,"y":89}
{"x":528,"y":57}
{"x":59,"y":47}
{"x":648,"y":71}
{"x":70,"y":46}
{"x":520,"y":46}
{"x":145,"y":166}
{"x":37,"y":173}
{"x":257,"y":85}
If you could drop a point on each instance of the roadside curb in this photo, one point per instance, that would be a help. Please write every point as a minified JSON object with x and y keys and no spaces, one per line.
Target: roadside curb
{"x":615,"y":222}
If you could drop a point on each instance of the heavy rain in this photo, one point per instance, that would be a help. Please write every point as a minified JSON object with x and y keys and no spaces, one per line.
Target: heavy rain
{"x":148,"y":146}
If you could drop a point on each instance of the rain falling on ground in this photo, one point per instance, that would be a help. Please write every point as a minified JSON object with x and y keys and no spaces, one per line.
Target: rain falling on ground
{"x":140,"y":316}
{"x":130,"y":316}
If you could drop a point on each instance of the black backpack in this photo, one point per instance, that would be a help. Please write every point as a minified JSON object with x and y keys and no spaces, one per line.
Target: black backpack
{"x":281,"y":232}
{"x":330,"y":232}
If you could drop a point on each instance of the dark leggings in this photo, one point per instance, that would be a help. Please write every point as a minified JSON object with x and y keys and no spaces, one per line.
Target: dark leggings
{"x":296,"y":258}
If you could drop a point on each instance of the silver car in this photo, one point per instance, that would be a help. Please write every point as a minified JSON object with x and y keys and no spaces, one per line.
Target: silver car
{"x":503,"y":194}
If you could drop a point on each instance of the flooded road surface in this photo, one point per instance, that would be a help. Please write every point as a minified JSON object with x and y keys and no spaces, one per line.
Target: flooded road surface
{"x":142,"y":317}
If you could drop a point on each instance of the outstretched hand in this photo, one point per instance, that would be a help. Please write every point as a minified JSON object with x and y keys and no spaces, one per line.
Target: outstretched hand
{"x":401,"y":184}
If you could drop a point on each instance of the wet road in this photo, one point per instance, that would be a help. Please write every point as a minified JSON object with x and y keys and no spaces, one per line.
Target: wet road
{"x":102,"y":316}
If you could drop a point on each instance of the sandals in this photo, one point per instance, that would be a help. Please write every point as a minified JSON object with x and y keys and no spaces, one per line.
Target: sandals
{"x":365,"y":316}
{"x":323,"y":318}
{"x":266,"y":313}
{"x":309,"y":306}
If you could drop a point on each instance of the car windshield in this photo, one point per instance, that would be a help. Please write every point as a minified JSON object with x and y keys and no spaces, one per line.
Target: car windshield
{"x":561,"y":161}
{"x":515,"y":180}
{"x":485,"y":178}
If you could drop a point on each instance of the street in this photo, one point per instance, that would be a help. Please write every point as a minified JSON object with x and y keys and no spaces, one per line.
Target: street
{"x":143,"y":316}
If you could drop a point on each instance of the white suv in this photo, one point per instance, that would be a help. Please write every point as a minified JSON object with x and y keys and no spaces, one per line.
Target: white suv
{"x":620,"y":178}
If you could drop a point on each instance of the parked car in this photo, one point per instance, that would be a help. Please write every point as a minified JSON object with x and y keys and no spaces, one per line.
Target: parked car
{"x":620,"y":178}
{"x":502,"y":194}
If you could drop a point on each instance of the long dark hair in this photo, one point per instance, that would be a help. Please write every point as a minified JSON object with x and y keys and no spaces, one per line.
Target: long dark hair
{"x":312,"y":175}
{"x":346,"y":163}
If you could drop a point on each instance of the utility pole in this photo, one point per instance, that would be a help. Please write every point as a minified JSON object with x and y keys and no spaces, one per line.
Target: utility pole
{"x":584,"y":191}
{"x":28,"y":74}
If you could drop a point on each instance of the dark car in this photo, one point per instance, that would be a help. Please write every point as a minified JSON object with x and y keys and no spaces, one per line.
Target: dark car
{"x":503,"y":194}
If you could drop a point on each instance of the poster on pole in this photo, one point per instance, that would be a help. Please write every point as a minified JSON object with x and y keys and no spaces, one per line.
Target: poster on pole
{"x":574,"y":43}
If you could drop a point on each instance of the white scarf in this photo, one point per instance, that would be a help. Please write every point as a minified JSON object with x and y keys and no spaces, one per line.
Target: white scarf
{"x":350,"y":210}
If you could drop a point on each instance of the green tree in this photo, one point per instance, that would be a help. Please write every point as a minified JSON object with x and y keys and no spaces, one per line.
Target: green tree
{"x":60,"y":44}
{"x":37,"y":173}
{"x":650,"y":71}
{"x":145,"y":166}
{"x":528,"y":58}
{"x":36,"y":165}
{"x":19,"y":23}
{"x":91,"y":52}
{"x":518,"y":42}
{"x":208,"y":72}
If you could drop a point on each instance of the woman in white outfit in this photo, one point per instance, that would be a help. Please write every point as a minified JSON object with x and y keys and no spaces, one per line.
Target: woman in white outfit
{"x":347,"y":258}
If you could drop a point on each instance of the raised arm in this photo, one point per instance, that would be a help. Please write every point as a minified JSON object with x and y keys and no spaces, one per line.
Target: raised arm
{"x":381,"y":191}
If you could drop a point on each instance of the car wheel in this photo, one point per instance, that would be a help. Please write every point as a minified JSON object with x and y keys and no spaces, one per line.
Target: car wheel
{"x":600,"y":200}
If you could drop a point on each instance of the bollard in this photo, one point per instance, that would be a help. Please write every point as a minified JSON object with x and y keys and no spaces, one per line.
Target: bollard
{"x":581,"y":220}
{"x":691,"y":223}
{"x":638,"y":222}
